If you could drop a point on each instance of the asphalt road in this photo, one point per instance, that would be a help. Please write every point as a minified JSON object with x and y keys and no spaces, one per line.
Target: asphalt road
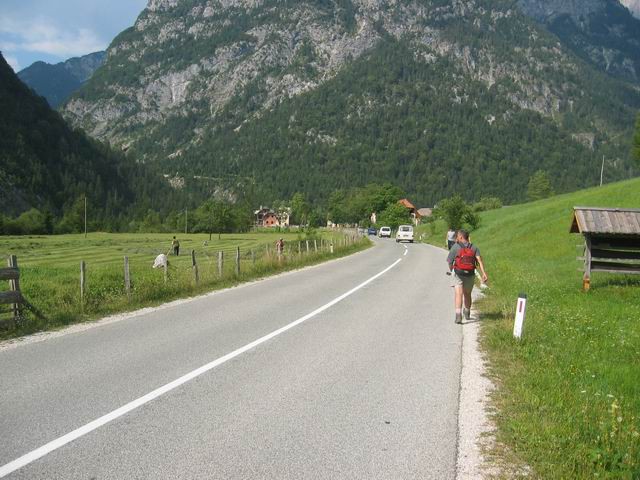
{"x":366,"y":387}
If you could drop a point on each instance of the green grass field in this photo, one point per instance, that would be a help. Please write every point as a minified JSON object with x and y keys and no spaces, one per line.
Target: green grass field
{"x":569,"y":394}
{"x":50,"y":269}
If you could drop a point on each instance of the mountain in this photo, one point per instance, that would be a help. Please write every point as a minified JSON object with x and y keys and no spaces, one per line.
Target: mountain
{"x":603,"y":32}
{"x":44,"y":164}
{"x":469,"y":96}
{"x":57,"y":82}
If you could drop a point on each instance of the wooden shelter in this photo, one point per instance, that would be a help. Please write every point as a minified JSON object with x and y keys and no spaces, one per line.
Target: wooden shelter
{"x":612,"y":240}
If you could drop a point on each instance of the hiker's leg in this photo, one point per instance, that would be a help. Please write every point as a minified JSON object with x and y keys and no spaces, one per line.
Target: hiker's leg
{"x":458,"y":298}
{"x":467,"y":299}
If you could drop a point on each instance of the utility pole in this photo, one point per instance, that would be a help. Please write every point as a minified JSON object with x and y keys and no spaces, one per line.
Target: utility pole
{"x":186,"y":220}
{"x":602,"y":167}
{"x":85,"y":216}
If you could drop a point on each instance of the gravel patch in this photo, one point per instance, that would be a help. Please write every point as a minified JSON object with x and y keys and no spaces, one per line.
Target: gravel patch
{"x":475,"y":430}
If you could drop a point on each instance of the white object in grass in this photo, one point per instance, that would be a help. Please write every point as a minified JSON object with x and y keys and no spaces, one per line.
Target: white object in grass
{"x":160,"y":261}
{"x":521,"y":309}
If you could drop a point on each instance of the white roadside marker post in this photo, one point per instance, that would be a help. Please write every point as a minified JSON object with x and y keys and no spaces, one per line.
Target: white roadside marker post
{"x":521,"y":309}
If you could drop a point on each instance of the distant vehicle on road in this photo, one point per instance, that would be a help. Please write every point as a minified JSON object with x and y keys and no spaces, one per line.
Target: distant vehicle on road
{"x":385,"y":232}
{"x":372,"y":231}
{"x":405,"y":234}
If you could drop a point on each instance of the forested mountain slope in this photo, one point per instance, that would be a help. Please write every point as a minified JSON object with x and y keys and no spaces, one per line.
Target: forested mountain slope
{"x":436,"y":96}
{"x":603,"y":32}
{"x":57,"y":82}
{"x":44,"y":164}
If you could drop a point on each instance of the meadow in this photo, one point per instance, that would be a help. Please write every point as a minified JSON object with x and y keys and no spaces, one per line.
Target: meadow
{"x":50,"y":269}
{"x":568,"y":396}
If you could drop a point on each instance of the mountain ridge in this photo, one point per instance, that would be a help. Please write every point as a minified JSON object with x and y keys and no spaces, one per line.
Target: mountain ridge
{"x":57,"y":82}
{"x":190,"y":76}
{"x":603,"y":32}
{"x":46,"y":165}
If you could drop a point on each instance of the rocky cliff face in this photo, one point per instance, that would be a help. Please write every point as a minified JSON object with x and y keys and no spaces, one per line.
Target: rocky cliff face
{"x":602,"y":32}
{"x":197,"y":75}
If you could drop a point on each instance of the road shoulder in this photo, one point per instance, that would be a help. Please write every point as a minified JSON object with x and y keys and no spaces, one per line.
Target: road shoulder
{"x":476,"y":432}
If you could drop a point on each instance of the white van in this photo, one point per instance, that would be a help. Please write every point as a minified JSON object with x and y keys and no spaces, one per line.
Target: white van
{"x":385,"y":232}
{"x":405,"y":234}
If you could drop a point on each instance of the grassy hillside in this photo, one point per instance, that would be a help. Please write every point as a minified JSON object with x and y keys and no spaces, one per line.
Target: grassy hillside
{"x":569,"y":393}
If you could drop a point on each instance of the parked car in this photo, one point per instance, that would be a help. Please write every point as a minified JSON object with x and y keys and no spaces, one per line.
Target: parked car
{"x":372,"y":231}
{"x":405,"y":234}
{"x":385,"y":232}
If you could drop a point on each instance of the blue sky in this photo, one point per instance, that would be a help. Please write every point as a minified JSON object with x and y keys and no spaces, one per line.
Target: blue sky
{"x":55,"y":30}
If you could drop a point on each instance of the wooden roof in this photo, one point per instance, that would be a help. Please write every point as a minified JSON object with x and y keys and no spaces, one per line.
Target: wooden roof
{"x":606,"y":221}
{"x":407,"y":203}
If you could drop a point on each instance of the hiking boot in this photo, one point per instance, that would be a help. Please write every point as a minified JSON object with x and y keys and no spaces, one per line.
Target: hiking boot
{"x":458,"y":318}
{"x":467,"y":313}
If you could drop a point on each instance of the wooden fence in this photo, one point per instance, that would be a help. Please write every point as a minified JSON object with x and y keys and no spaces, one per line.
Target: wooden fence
{"x":231,"y":262}
{"x":12,"y":302}
{"x":202,"y":268}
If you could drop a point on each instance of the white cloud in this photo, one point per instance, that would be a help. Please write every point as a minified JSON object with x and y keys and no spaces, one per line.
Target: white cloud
{"x":43,"y":37}
{"x":13,"y":62}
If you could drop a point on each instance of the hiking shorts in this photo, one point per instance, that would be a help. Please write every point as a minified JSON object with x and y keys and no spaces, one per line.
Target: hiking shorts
{"x":465,"y":281}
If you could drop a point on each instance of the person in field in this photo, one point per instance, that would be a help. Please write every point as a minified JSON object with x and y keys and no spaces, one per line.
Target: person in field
{"x":463,"y":260}
{"x":175,"y":246}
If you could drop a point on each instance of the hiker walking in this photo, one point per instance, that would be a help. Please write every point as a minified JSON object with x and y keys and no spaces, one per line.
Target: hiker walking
{"x":175,"y":246}
{"x":451,"y":238}
{"x":463,"y":259}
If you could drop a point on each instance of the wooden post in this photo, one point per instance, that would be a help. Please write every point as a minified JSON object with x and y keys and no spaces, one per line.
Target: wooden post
{"x":238,"y":261}
{"x":299,"y":249}
{"x":220,"y":264}
{"x":194,"y":266}
{"x":83,"y":278}
{"x":586,"y":279}
{"x":127,"y":278}
{"x":14,"y":285}
{"x":315,"y":245}
{"x":165,"y":267}
{"x":331,"y":247}
{"x":307,"y":242}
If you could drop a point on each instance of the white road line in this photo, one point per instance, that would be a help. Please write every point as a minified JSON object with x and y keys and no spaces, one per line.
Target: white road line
{"x":405,"y":253}
{"x":95,"y":424}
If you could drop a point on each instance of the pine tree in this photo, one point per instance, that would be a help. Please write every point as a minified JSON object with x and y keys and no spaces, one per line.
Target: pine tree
{"x":539,"y":186}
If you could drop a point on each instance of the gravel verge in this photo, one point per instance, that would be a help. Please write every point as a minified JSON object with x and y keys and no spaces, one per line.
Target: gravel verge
{"x":475,"y":430}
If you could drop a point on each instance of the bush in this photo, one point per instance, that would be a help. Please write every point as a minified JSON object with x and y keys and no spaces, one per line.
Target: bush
{"x":394,"y":216}
{"x":487,"y":203}
{"x":457,"y":214}
{"x":32,"y":222}
{"x":539,"y":186}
